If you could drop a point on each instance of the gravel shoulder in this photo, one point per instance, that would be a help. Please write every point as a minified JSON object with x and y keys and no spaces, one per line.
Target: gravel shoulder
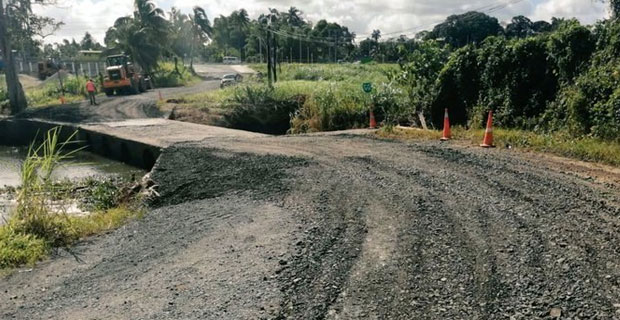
{"x":344,"y":227}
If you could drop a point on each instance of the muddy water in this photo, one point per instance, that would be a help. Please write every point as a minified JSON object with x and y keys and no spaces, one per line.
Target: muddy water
{"x":82,"y":165}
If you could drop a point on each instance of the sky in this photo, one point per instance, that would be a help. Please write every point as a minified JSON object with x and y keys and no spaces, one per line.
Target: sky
{"x":392,"y":17}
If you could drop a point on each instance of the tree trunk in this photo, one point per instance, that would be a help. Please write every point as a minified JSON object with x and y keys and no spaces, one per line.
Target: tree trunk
{"x":274,"y":64}
{"x":17,"y":98}
{"x":191,"y":55}
{"x":269,"y":69}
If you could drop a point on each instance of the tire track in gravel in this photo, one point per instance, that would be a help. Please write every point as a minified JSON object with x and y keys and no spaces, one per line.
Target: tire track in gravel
{"x":363,"y":229}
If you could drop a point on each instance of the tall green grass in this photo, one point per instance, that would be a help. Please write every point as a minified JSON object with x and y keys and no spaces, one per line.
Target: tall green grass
{"x":166,"y":76}
{"x":325,"y":97}
{"x":73,"y":89}
{"x":39,"y":222}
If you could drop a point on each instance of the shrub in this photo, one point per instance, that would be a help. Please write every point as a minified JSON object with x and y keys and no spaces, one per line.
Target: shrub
{"x":331,"y":107}
{"x":258,"y":108}
{"x":101,"y":194}
{"x":390,"y":106}
{"x":167,"y":76}
{"x":38,"y":193}
{"x":591,"y":106}
{"x":19,"y":248}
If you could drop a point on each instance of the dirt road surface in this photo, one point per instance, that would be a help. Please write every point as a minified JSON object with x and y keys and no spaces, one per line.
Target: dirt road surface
{"x":133,"y":106}
{"x":344,"y":227}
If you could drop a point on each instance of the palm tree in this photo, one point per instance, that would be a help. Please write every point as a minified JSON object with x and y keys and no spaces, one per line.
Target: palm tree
{"x":201,"y":29}
{"x":376,"y":35}
{"x":142,"y":36}
{"x":241,"y":23}
{"x":149,"y":16}
{"x":293,"y":17}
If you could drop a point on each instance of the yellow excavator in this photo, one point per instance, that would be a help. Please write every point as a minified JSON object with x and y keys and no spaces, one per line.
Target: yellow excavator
{"x":123,"y":77}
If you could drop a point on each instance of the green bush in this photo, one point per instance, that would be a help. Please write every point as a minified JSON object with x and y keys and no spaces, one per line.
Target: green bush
{"x":258,"y":108}
{"x":563,"y":80}
{"x":390,"y":104}
{"x":591,"y":106}
{"x":167,"y":76}
{"x":19,"y":248}
{"x":39,"y":222}
{"x":332,"y":107}
{"x":101,"y":194}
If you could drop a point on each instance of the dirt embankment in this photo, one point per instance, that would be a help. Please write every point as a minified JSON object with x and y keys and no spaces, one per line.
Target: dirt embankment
{"x":344,"y":227}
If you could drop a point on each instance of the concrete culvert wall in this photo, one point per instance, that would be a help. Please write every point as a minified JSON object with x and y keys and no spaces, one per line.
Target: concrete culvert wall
{"x":148,"y":159}
{"x":125,"y":153}
{"x":22,"y":132}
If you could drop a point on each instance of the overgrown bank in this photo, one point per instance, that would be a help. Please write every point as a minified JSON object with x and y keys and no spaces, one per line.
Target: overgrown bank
{"x":307,"y":98}
{"x":41,"y":221}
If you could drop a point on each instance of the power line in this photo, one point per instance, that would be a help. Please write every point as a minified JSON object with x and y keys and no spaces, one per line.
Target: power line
{"x":332,"y":41}
{"x":490,"y":8}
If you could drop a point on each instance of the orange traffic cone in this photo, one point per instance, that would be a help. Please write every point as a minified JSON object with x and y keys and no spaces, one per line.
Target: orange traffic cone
{"x":488,"y":134}
{"x":447,"y":135}
{"x":373,"y":121}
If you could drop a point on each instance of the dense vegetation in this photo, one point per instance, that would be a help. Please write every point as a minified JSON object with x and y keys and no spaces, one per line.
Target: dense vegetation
{"x":307,"y":98}
{"x":564,"y":80}
{"x":39,"y":223}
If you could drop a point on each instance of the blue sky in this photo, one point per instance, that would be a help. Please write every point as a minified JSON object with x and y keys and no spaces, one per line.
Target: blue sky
{"x":361,"y":16}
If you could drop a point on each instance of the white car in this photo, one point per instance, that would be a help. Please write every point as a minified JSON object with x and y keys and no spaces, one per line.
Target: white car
{"x":230,"y":79}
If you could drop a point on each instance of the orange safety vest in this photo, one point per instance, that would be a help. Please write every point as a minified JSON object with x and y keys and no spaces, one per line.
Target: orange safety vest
{"x":90,"y":86}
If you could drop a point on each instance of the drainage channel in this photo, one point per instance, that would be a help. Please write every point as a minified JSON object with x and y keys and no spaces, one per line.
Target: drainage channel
{"x":22,"y":132}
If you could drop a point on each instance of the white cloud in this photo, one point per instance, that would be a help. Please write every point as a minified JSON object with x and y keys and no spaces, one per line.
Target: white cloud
{"x":588,"y":11}
{"x":392,"y":17}
{"x":80,"y":16}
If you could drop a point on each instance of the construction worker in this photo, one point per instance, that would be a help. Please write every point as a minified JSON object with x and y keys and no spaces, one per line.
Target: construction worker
{"x":92,"y":90}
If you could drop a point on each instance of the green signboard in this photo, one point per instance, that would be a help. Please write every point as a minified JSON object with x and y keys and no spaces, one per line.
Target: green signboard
{"x":367,"y":86}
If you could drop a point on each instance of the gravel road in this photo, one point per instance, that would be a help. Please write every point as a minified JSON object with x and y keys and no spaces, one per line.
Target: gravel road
{"x":344,"y":227}
{"x":144,"y":105}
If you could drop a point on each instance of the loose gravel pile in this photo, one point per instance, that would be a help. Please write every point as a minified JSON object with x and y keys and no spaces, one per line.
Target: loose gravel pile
{"x":344,"y":227}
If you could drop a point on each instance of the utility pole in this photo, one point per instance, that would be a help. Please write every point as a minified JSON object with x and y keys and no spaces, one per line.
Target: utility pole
{"x":308,"y":53}
{"x":329,"y":45}
{"x":260,"y":50}
{"x":336,"y":49}
{"x":300,"y":58}
{"x":269,"y":57}
{"x":290,"y":54}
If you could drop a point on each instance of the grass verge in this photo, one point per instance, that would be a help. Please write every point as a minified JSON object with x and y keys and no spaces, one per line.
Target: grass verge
{"x":19,"y":247}
{"x":562,"y":144}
